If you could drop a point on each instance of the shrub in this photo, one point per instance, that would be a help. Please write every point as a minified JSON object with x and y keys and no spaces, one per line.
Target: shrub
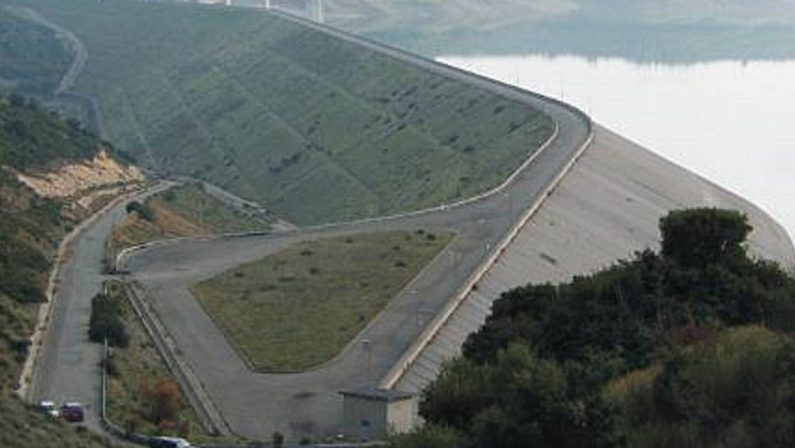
{"x":144,"y":212}
{"x":162,"y":400}
{"x":105,"y":321}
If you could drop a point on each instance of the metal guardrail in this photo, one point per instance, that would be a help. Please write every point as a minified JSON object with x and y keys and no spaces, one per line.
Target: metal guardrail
{"x":142,"y":439}
{"x":194,"y":391}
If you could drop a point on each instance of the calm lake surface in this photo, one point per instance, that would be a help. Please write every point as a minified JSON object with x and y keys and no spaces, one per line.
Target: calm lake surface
{"x":731,"y":121}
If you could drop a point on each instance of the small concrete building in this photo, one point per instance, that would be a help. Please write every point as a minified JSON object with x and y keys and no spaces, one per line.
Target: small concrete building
{"x":374,"y":414}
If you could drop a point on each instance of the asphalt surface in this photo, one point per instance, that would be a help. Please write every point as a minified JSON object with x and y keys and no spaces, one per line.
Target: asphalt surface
{"x":254,"y":404}
{"x":67,"y":368}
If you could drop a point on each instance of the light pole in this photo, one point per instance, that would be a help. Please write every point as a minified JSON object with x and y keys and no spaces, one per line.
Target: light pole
{"x":368,"y":349}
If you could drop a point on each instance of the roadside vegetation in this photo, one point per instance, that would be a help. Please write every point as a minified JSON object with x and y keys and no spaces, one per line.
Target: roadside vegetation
{"x":689,"y":347}
{"x":185,"y":210}
{"x":143,"y":396}
{"x":30,"y":229}
{"x":300,"y":307}
{"x":316,"y":128}
{"x":106,"y":320}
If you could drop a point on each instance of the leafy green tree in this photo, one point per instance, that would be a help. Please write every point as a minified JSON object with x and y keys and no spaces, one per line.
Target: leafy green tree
{"x":536,"y":372}
{"x":106,"y":322}
{"x":701,"y":236}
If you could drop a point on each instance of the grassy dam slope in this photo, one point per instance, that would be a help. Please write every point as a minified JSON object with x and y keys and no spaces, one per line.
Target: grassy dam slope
{"x":316,"y":128}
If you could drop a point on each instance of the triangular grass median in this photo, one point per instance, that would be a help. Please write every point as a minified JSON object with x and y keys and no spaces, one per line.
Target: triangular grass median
{"x":300,"y":307}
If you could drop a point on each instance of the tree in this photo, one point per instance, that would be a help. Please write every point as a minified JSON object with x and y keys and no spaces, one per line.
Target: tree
{"x":701,"y":236}
{"x":277,"y":439}
{"x":143,"y":211}
{"x":163,"y":399}
{"x":105,"y":321}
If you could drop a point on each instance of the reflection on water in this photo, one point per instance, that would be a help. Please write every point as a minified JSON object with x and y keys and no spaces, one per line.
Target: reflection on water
{"x":731,"y":121}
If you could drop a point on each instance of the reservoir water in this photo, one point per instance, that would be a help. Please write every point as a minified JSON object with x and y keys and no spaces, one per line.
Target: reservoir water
{"x":728,"y":120}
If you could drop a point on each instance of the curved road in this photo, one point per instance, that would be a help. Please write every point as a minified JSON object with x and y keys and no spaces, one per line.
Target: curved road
{"x":254,"y":404}
{"x":67,"y":365}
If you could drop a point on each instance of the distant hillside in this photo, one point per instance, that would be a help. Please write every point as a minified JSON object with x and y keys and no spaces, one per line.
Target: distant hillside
{"x":316,"y":128}
{"x":32,"y":58}
{"x":30,"y":229}
{"x":444,"y":15}
{"x":649,"y":31}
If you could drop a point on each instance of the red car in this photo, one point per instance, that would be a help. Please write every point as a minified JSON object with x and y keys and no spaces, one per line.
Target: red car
{"x":72,"y":412}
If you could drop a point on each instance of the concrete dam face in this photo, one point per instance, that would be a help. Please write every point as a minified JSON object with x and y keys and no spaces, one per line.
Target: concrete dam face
{"x":606,"y":208}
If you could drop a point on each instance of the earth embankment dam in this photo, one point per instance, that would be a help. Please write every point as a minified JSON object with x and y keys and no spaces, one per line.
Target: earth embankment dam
{"x":574,"y":197}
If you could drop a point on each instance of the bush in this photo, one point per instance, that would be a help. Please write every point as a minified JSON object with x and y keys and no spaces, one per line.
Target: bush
{"x":143,"y":211}
{"x":106,"y":321}
{"x":277,"y":439}
{"x":430,"y":436}
{"x":162,"y":400}
{"x":738,"y":386}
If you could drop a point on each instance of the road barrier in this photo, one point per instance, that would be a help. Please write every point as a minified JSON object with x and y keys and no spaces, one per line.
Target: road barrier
{"x":194,"y":390}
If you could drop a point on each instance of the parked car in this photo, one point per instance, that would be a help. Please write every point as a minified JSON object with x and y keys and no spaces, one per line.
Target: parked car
{"x":168,"y":442}
{"x":48,"y":407}
{"x":72,"y":412}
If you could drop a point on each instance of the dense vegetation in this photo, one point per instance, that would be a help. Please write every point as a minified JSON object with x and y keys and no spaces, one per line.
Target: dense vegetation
{"x":31,"y":138}
{"x":30,"y":228}
{"x":689,"y":347}
{"x":32,"y":58}
{"x":317,"y":128}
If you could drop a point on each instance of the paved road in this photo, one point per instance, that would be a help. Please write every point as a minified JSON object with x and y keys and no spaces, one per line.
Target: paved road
{"x":68,"y":365}
{"x":256,"y":404}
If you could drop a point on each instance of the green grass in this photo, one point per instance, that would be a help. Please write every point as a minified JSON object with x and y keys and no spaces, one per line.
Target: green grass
{"x":316,"y":128}
{"x":185,"y":210}
{"x":300,"y":307}
{"x":138,"y":367}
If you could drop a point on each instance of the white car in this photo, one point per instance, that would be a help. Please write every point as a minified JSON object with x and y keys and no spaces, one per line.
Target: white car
{"x":48,"y":407}
{"x":169,"y":442}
